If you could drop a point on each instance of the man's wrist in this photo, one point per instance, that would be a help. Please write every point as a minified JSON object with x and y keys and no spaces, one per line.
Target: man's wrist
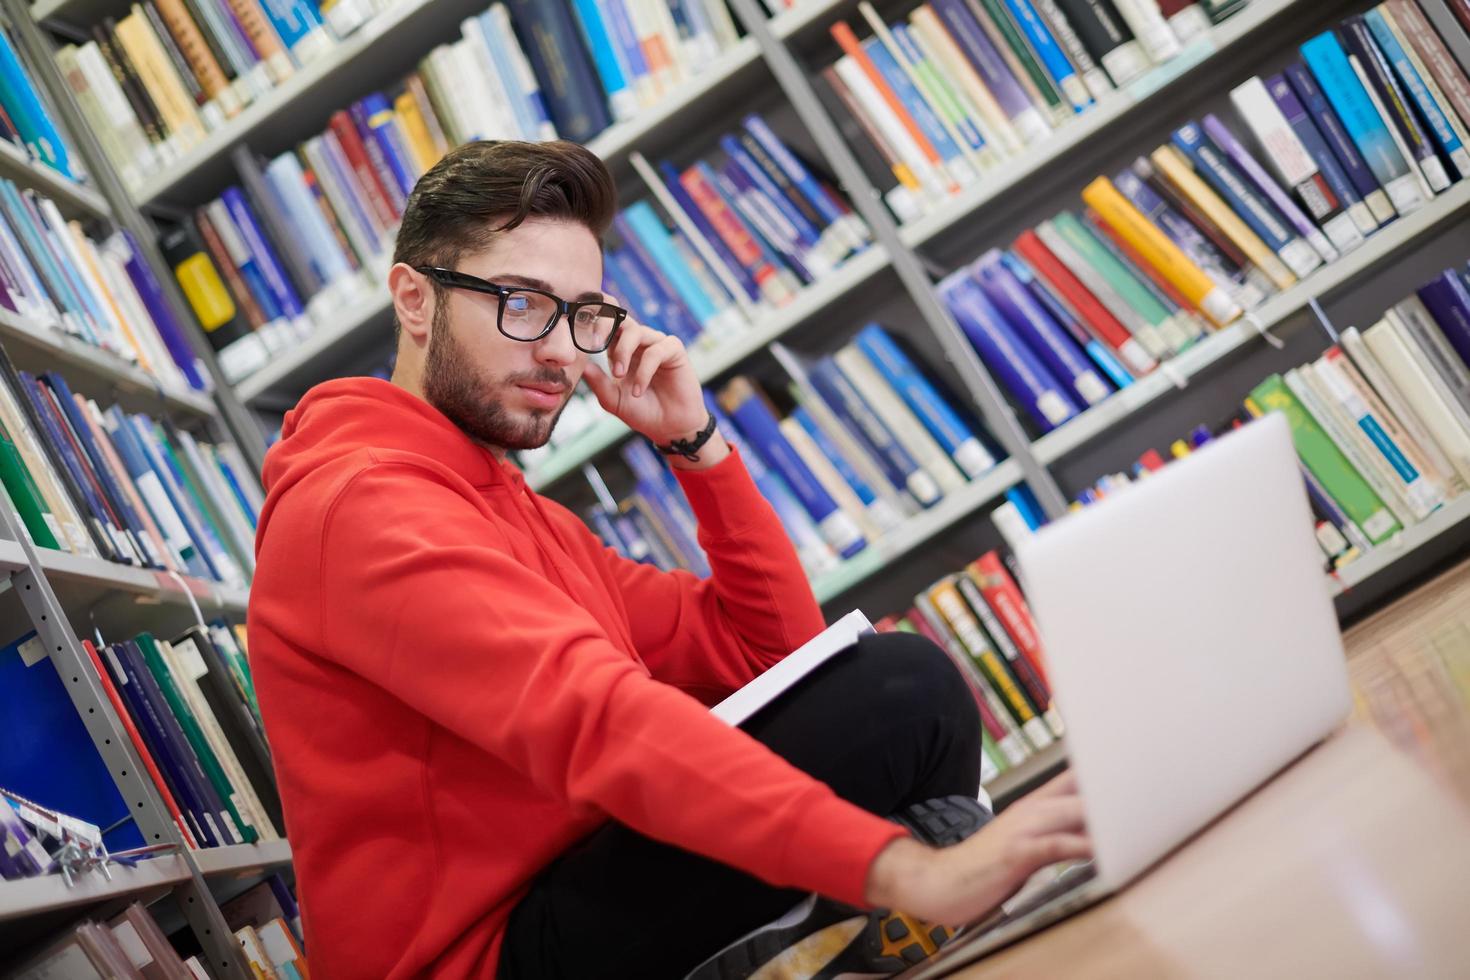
{"x":897,"y":872}
{"x":713,"y":451}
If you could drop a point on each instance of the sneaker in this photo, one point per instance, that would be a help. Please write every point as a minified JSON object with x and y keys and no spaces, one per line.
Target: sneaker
{"x":821,"y":939}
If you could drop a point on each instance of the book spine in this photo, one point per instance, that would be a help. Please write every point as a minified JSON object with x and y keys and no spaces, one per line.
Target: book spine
{"x":994,"y":20}
{"x":986,"y":59}
{"x":741,"y":401}
{"x":282,"y":290}
{"x":32,"y":122}
{"x":550,"y":41}
{"x":1407,"y":16}
{"x":884,"y":507}
{"x":924,"y":400}
{"x":1111,"y":280}
{"x":1026,"y":677}
{"x":1430,"y":110}
{"x":620,"y":96}
{"x":1070,"y":320}
{"x":639,"y":219}
{"x":828,"y":474}
{"x":832,"y":215}
{"x":673,"y":182}
{"x":349,"y":140}
{"x":1430,"y":398}
{"x":1093,"y":77}
{"x":260,"y":34}
{"x":1411,"y":317}
{"x":1448,"y":301}
{"x":1023,"y":374}
{"x":1310,"y":139}
{"x":1391,"y":102}
{"x":1049,"y":53}
{"x":804,"y":233}
{"x":835,"y":239}
{"x":911,"y":167}
{"x":1108,"y":38}
{"x":1349,"y":99}
{"x":1149,"y":26}
{"x":1304,"y":84}
{"x":901,"y":469}
{"x":935,"y":86}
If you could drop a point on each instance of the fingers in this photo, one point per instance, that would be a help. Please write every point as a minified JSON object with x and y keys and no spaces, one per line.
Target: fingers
{"x":1038,"y":852}
{"x":650,"y":359}
{"x":1059,"y":814}
{"x":632,"y":337}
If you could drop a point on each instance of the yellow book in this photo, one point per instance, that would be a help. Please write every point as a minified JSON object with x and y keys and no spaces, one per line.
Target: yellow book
{"x":183,"y":123}
{"x":406,"y":107}
{"x":1178,"y":172}
{"x":1159,"y":251}
{"x":205,"y":292}
{"x":952,"y":606}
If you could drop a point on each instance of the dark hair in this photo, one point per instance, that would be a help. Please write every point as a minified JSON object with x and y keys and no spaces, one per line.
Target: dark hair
{"x":490,"y":186}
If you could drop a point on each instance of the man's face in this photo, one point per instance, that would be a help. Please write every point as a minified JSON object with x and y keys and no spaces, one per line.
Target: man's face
{"x":507,"y":393}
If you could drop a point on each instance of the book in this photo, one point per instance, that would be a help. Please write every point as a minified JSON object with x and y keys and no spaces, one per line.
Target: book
{"x":1447,"y":299}
{"x":1107,"y":38}
{"x":1390,"y":99}
{"x":1416,"y":86}
{"x":1423,"y":390}
{"x":1340,"y":142}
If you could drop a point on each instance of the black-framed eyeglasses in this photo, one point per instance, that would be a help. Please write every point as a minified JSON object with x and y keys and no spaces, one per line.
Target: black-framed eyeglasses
{"x":528,"y":314}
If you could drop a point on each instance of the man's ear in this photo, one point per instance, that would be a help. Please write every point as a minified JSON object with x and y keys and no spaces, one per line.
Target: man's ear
{"x":413,"y":301}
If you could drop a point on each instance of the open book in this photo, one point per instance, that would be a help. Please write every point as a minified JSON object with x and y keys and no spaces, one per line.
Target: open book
{"x":760,"y":692}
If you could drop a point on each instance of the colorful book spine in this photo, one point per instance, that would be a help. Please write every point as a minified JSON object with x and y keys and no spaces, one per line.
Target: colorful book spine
{"x":1448,"y":301}
{"x":986,"y":59}
{"x":1053,"y":60}
{"x":1415,"y":87}
{"x":1344,"y":150}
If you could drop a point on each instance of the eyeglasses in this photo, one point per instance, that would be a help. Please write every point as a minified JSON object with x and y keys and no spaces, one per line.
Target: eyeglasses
{"x":527,"y":314}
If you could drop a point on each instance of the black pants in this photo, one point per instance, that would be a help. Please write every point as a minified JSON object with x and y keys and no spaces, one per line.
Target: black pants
{"x":887,"y":724}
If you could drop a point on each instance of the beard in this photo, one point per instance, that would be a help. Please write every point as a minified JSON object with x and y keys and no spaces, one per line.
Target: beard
{"x":460,"y":390}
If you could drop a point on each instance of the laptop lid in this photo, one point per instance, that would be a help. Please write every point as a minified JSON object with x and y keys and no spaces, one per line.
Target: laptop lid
{"x":1191,"y":642}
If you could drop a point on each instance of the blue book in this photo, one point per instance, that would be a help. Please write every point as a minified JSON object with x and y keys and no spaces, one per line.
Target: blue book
{"x":88,"y":304}
{"x":1259,"y":214}
{"x":620,"y":97}
{"x":510,"y":79}
{"x":96,"y":464}
{"x":835,"y":240}
{"x":244,"y":260}
{"x":1447,"y":298}
{"x":952,"y":433}
{"x":51,"y":429}
{"x":757,"y":225}
{"x":800,"y":528}
{"x":1430,"y":110}
{"x":32,"y":122}
{"x":770,"y":226}
{"x":659,"y":553}
{"x":42,"y":259}
{"x":800,"y":176}
{"x":1043,"y":397}
{"x":632,"y":542}
{"x":1036,"y":328}
{"x":1027,"y":506}
{"x":1133,"y":184}
{"x":625,"y":38}
{"x":806,"y":233}
{"x":918,"y":107}
{"x":1064,"y":315}
{"x":835,"y":456}
{"x":318,"y":241}
{"x":635,"y":270}
{"x":657,"y":483}
{"x":297,"y":21}
{"x":980,"y":51}
{"x":914,"y":55}
{"x":1053,"y":61}
{"x":601,"y":523}
{"x":1328,"y":165}
{"x":209,"y":547}
{"x":639,"y":221}
{"x":382,"y":124}
{"x":681,"y":197}
{"x":552,"y":45}
{"x":282,"y":291}
{"x":845,"y":402}
{"x":1392,"y":101}
{"x":150,"y":489}
{"x":1344,"y":150}
{"x":150,"y":291}
{"x":47,"y":755}
{"x":1328,"y":61}
{"x":759,"y":426}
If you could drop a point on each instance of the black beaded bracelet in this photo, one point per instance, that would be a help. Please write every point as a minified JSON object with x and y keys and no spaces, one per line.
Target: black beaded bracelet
{"x":689,"y":448}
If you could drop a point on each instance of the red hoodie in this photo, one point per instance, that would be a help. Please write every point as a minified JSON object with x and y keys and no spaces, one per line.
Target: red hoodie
{"x":460,"y":681}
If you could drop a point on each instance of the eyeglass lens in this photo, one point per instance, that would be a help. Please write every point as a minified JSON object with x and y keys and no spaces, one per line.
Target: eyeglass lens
{"x":526,"y":314}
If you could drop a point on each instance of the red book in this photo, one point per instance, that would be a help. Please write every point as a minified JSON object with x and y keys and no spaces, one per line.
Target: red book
{"x":1004,"y":597}
{"x":733,"y":233}
{"x":356,"y":153}
{"x":137,"y":740}
{"x":1095,"y":317}
{"x":987,"y":718}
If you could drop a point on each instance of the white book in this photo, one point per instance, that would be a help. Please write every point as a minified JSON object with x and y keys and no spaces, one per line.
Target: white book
{"x":931,"y":183}
{"x":939,"y":47}
{"x":963,"y":169}
{"x":1308,"y":390}
{"x":362,"y":238}
{"x":726,"y":36}
{"x":490,"y":90}
{"x":835,"y":639}
{"x":109,"y":132}
{"x":1381,"y":438}
{"x":906,"y":428}
{"x":1419,"y":324}
{"x":1424,"y":391}
{"x":826,"y":474}
{"x":1399,"y":406}
{"x":1291,"y":162}
{"x":115,"y":104}
{"x":439,"y":76}
{"x":530,"y":85}
{"x":1150,"y":28}
{"x":648,"y":17}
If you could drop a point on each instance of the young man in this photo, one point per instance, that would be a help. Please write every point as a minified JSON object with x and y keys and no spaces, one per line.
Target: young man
{"x":491,"y":732}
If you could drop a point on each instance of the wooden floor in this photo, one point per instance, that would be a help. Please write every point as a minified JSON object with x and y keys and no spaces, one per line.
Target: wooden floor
{"x":1410,"y":665}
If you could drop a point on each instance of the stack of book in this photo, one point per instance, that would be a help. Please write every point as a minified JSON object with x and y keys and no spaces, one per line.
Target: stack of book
{"x":1370,"y":126}
{"x":123,"y":487}
{"x":57,"y":278}
{"x":26,"y":122}
{"x":980,"y":618}
{"x":869,"y":441}
{"x":1381,"y":422}
{"x":155,"y":84}
{"x":127,"y":945}
{"x":962,"y":85}
{"x":267,"y":922}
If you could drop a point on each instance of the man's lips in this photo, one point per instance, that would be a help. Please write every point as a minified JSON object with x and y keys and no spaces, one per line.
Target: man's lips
{"x":543,"y":394}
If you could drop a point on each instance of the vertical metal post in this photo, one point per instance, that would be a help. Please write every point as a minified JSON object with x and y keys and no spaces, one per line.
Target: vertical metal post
{"x":994,"y":408}
{"x":238,"y":420}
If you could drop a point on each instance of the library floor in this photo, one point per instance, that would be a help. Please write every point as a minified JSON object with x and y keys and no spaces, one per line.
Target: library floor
{"x":1355,"y":862}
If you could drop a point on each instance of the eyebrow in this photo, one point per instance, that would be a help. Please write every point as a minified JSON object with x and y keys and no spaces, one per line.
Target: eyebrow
{"x":513,"y":279}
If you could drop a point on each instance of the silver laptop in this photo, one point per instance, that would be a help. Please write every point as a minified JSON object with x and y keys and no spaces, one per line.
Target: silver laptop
{"x":1193,"y":651}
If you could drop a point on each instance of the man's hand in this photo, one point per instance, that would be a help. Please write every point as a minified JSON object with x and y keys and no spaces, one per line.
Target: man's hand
{"x":653,"y":388}
{"x":960,"y":884}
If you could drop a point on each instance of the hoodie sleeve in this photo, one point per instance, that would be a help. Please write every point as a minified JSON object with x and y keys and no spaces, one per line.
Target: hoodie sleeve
{"x":420,"y":597}
{"x":711,"y":636}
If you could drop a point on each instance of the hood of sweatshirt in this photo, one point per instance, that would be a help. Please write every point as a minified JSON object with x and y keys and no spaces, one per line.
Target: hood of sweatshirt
{"x":339,"y":418}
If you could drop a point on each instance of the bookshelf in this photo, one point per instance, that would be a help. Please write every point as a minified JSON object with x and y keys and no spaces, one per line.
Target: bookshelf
{"x":35,"y":896}
{"x":73,"y":199}
{"x":242,"y":859}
